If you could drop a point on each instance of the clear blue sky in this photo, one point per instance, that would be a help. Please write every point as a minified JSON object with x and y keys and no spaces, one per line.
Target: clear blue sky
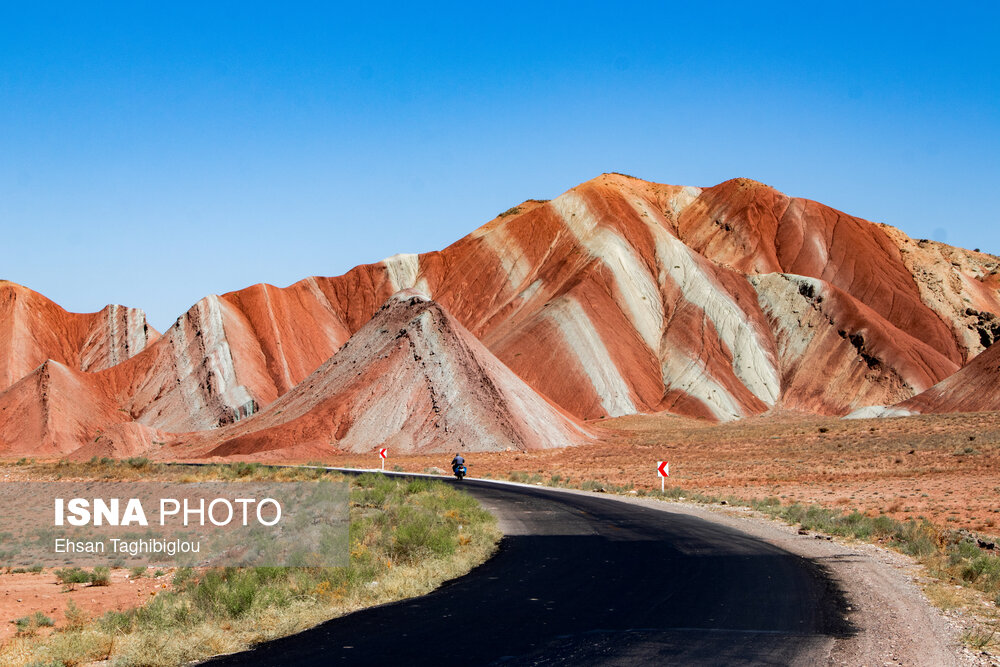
{"x":153,"y":153}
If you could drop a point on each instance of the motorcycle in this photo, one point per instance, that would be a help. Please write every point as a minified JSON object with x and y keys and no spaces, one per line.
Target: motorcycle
{"x":460,"y":470}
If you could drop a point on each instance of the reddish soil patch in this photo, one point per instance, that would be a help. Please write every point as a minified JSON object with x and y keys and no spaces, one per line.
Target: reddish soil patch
{"x":942,"y":467}
{"x":25,"y":593}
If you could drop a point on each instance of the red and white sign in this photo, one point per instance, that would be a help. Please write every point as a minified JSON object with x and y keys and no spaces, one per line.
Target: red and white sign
{"x":383,"y":452}
{"x":663,"y":468}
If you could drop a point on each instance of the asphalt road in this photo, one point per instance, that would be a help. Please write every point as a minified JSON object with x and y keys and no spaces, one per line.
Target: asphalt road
{"x":584,"y":580}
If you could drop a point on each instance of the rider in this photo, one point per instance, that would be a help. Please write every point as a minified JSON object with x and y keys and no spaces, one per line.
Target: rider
{"x":457,"y":461}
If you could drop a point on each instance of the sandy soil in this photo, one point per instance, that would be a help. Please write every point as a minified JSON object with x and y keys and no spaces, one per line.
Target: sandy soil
{"x":942,"y":467}
{"x":25,"y":593}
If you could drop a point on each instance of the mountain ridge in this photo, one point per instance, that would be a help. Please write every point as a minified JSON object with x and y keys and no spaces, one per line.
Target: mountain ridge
{"x":719,"y":303}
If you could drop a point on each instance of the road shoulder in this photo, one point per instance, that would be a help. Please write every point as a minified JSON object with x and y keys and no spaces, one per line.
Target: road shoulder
{"x":896,"y":623}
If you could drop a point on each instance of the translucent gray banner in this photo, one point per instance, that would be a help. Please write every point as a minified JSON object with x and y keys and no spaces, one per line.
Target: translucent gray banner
{"x":205,"y":524}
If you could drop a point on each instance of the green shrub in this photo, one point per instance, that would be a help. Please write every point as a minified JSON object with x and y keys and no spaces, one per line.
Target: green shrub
{"x":420,"y":534}
{"x":101,"y":576}
{"x":243,"y":469}
{"x":76,"y":618}
{"x":71,"y":576}
{"x":117,"y":622}
{"x":28,"y":625}
{"x":183,"y":577}
{"x":917,"y":539}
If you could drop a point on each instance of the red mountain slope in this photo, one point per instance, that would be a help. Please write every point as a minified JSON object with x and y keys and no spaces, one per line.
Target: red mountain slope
{"x":54,"y":411}
{"x":972,"y":389}
{"x":619,"y":296}
{"x":34,"y":330}
{"x":639,"y":293}
{"x":837,"y":354}
{"x":412,"y":379}
{"x":756,"y":229}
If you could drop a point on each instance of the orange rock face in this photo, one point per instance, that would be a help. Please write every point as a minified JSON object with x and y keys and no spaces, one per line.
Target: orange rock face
{"x":618,"y":297}
{"x":34,"y":330}
{"x":55,"y":410}
{"x":972,"y":389}
{"x":412,"y":379}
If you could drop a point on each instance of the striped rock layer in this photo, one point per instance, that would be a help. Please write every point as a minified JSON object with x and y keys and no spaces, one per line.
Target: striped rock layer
{"x":412,"y":379}
{"x":34,"y":330}
{"x":619,"y":296}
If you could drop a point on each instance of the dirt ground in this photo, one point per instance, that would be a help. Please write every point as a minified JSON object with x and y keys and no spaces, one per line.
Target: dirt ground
{"x":23,"y":594}
{"x":942,"y":467}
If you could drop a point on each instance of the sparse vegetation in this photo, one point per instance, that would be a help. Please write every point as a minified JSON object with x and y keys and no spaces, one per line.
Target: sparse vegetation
{"x":69,"y":577}
{"x":406,"y":537}
{"x":525,"y":478}
{"x":101,"y":576}
{"x":76,"y":618}
{"x":29,"y":625}
{"x":951,"y":556}
{"x":982,"y":637}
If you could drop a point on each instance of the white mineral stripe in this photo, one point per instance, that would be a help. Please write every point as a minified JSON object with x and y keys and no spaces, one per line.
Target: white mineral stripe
{"x":640,"y":297}
{"x":510,"y":255}
{"x":219,"y":354}
{"x":684,"y":198}
{"x":751,"y":363}
{"x":691,"y":377}
{"x":402,"y":270}
{"x":583,"y":339}
{"x":779,"y":298}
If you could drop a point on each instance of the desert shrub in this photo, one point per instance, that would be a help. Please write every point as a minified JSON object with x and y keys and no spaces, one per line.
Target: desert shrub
{"x":117,"y":622}
{"x":101,"y":576}
{"x":71,"y":576}
{"x":418,"y":485}
{"x":76,"y":618}
{"x":242,"y":469}
{"x":28,"y":625}
{"x":183,"y":577}
{"x":420,"y":534}
{"x":983,"y":569}
{"x":917,"y":539}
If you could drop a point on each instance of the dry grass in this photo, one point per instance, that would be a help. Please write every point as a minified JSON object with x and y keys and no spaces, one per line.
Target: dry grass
{"x":407,"y":537}
{"x":950,"y":596}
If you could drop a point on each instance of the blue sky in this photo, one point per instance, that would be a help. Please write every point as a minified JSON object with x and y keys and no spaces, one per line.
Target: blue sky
{"x":150,"y":155}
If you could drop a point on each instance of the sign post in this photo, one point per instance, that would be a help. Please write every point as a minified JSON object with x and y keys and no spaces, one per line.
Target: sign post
{"x":663,"y":470}
{"x":382,"y":453}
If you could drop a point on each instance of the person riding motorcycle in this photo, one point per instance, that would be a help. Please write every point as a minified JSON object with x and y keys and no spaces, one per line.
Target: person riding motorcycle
{"x":458,"y":466}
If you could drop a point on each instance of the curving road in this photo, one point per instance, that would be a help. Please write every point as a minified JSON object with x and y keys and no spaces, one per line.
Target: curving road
{"x":585,"y":580}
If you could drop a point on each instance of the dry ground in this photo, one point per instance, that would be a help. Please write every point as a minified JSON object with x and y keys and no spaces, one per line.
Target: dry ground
{"x":942,"y":467}
{"x":25,"y":593}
